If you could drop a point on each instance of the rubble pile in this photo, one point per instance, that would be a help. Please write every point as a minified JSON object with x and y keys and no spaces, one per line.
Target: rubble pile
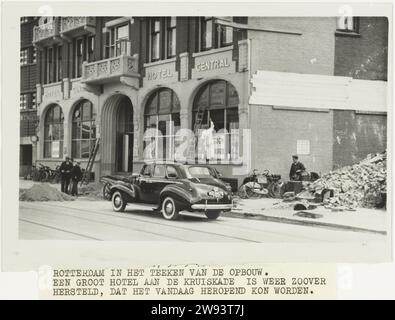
{"x":43,"y":192}
{"x":359,"y":185}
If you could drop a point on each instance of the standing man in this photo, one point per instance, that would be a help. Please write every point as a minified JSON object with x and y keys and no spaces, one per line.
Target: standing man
{"x":76,"y":175}
{"x":297,"y":168}
{"x":65,"y":174}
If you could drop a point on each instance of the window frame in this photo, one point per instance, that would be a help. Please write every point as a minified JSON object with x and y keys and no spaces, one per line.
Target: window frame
{"x":157,"y":34}
{"x":52,"y":122}
{"x":80,"y":122}
{"x":171,"y":37}
{"x":346,"y":29}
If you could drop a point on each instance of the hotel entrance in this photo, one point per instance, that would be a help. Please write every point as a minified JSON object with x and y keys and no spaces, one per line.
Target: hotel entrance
{"x":117,"y":135}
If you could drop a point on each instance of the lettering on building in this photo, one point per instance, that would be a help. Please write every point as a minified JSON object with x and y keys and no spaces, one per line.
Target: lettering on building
{"x":213,"y":64}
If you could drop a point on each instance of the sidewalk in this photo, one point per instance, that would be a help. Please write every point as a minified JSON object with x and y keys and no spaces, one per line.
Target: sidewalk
{"x":365,"y":220}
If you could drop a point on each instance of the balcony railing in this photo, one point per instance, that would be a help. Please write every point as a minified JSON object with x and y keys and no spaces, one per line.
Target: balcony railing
{"x":77,"y":24}
{"x":46,"y":32}
{"x":108,"y":70}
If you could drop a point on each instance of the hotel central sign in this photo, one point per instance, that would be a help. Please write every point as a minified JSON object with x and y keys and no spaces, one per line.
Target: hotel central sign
{"x":160,"y":72}
{"x":213,"y":62}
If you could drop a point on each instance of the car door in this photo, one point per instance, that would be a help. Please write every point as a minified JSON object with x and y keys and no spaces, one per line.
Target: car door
{"x":158,"y":181}
{"x":144,"y":183}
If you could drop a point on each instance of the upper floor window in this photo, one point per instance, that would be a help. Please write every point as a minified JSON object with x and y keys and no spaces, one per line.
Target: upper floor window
{"x":118,"y":42}
{"x":214,"y":35}
{"x":171,"y":37}
{"x":206,"y":32}
{"x":33,"y":100}
{"x":155,"y":39}
{"x":347,"y":24}
{"x":34,"y":55}
{"x":58,"y":62}
{"x":23,"y":101}
{"x":49,"y":65}
{"x":24,"y":56}
{"x":83,"y":51}
{"x":25,"y":19}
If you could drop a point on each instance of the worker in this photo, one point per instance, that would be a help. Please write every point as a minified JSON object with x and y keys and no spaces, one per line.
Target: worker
{"x":297,"y":169}
{"x":76,"y":175}
{"x":65,"y":174}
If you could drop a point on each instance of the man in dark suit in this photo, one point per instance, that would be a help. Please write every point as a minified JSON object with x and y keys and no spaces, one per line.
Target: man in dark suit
{"x":76,"y":175}
{"x":297,"y":168}
{"x":65,"y":175}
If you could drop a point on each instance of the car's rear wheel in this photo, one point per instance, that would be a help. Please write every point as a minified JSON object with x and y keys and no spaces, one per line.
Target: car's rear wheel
{"x":118,"y":201}
{"x":107,"y":191}
{"x":169,"y":209}
{"x":212,"y":214}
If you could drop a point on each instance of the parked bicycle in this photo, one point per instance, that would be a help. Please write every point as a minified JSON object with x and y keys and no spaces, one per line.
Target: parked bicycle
{"x":261,"y":184}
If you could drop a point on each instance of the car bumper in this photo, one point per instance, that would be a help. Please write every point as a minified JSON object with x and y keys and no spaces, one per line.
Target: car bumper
{"x":212,"y":206}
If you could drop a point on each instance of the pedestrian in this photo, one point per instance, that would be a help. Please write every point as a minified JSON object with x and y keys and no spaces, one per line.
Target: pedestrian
{"x":65,"y":175}
{"x":297,"y":169}
{"x":76,"y":175}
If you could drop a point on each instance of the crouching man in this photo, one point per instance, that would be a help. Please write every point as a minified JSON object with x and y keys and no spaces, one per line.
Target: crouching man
{"x":76,"y":175}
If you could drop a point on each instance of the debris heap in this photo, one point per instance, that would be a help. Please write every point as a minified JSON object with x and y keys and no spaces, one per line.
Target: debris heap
{"x":360,"y":185}
{"x":43,"y":192}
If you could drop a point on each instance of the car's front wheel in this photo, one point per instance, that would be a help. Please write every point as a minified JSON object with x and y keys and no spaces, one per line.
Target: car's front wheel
{"x":107,"y":191}
{"x":118,"y":201}
{"x":212,"y":215}
{"x":169,"y":209}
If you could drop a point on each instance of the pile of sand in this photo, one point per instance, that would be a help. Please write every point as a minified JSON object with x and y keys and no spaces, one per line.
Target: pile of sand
{"x":92,"y":190}
{"x":43,"y":192}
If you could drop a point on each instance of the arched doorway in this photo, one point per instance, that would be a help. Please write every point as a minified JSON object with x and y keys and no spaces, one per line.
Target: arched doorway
{"x":217,"y":105}
{"x":117,"y":135}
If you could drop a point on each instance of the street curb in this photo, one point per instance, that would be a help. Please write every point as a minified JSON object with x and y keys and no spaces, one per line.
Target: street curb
{"x":254,"y":216}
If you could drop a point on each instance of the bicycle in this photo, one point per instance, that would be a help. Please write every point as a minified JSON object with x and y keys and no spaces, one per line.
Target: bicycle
{"x":258,"y":185}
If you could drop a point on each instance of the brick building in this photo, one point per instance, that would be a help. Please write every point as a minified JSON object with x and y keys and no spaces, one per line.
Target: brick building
{"x":283,"y":78}
{"x":28,"y":103}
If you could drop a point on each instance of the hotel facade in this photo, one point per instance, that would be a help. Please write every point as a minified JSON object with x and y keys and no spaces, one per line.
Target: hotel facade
{"x":316,"y":87}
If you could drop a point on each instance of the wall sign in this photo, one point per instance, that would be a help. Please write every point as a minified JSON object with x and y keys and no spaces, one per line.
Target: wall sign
{"x":303,"y":147}
{"x":55,"y":149}
{"x":213,"y":62}
{"x":160,"y":72}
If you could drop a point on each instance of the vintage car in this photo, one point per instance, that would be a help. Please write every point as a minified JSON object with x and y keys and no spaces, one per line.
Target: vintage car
{"x":171,"y":188}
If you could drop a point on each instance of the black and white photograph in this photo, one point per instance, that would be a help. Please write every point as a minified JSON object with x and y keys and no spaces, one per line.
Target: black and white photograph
{"x":204,"y":129}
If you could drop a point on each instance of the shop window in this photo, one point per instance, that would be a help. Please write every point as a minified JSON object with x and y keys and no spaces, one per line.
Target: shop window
{"x":24,"y":56}
{"x":53,"y":132}
{"x":347,"y":24}
{"x":171,"y":37}
{"x":219,"y":101}
{"x":162,"y":113}
{"x":83,"y":130}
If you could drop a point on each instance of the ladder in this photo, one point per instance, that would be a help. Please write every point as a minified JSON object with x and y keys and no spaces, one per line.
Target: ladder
{"x":86,"y":176}
{"x":191,"y":155}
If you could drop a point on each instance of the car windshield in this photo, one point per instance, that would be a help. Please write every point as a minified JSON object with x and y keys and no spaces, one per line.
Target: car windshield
{"x":199,"y":172}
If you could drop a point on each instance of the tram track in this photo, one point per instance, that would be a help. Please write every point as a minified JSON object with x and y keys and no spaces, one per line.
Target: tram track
{"x":136,"y":219}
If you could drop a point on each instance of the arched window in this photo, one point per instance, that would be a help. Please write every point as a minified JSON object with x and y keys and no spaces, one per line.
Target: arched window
{"x":162,"y":112}
{"x":83,"y":130}
{"x":53,"y":132}
{"x":218,"y":101}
